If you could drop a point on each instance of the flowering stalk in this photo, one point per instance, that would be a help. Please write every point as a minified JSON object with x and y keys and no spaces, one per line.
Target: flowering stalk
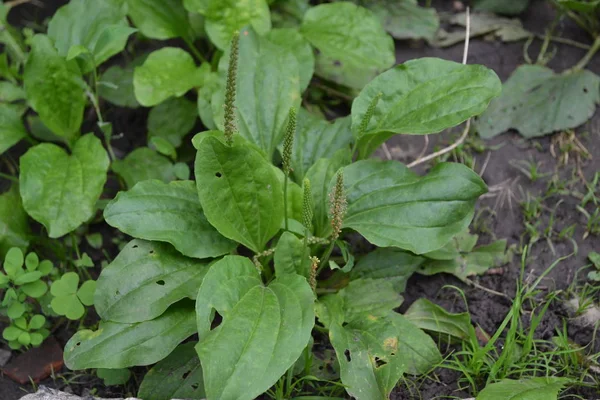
{"x":337,"y":210}
{"x":230,"y":90}
{"x":364,"y":123}
{"x":288,"y":143}
{"x":314,"y":265}
{"x":307,"y":215}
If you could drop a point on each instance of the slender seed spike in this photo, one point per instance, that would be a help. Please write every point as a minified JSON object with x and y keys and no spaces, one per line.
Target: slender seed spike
{"x":364,"y":123}
{"x":230,"y":91}
{"x":337,"y":210}
{"x":288,"y":141}
{"x":314,"y":265}
{"x":307,"y":205}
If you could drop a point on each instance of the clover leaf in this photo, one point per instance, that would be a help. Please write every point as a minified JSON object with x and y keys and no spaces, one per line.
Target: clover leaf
{"x":70,"y":301}
{"x":23,"y":333}
{"x":27,"y":280}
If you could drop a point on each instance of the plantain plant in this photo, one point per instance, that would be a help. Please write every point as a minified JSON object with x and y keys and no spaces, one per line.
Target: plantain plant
{"x":248,"y":254}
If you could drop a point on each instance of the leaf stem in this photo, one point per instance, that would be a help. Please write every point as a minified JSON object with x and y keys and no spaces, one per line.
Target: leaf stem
{"x":194,"y":50}
{"x":325,"y":256}
{"x":9,"y":177}
{"x":587,"y":57}
{"x":285,"y":187}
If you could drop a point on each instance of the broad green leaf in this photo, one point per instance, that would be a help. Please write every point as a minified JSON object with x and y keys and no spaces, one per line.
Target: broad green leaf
{"x":41,"y":132}
{"x":144,"y":280}
{"x":295,"y":43}
{"x":112,"y":377}
{"x":10,"y":92}
{"x":98,"y":26}
{"x":60,"y":190}
{"x":391,"y":206}
{"x":536,"y":101}
{"x":420,"y":97}
{"x":405,"y":19}
{"x":546,"y":388}
{"x":389,"y":264}
{"x":142,"y":164}
{"x":347,"y":36}
{"x":267,"y":74}
{"x":225,"y":17}
{"x":154,"y":210}
{"x":116,"y":345}
{"x":172,"y":120}
{"x":239,"y":192}
{"x":263,"y":332}
{"x":469,"y":263}
{"x":433,"y":318}
{"x":179,"y":376}
{"x":362,"y":297}
{"x":582,"y":6}
{"x":374,"y":352}
{"x":11,"y":126}
{"x":167,"y":72}
{"x":54,"y":88}
{"x":291,"y":256}
{"x":320,"y":175}
{"x":509,"y":7}
{"x":317,"y":138}
{"x":165,"y":19}
{"x":288,"y":14}
{"x":116,"y":86}
{"x":213,"y":87}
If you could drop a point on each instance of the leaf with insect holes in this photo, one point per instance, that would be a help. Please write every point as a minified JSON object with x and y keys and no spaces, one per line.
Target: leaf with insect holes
{"x":536,"y":101}
{"x":433,"y":318}
{"x":11,"y":126}
{"x":68,"y":298}
{"x":99,"y":27}
{"x":172,"y":120}
{"x":116,"y":345}
{"x":225,"y":17}
{"x":387,"y":264}
{"x":55,"y":89}
{"x":391,"y":206}
{"x":267,"y":74}
{"x":346,"y":37}
{"x":239,"y":192}
{"x":546,"y":388}
{"x":154,"y":210}
{"x":420,"y":97}
{"x":167,"y":72}
{"x":164,"y":19}
{"x":60,"y":190}
{"x":317,"y":138}
{"x":374,"y":353}
{"x":405,"y":19}
{"x":144,"y":280}
{"x":179,"y":376}
{"x":14,"y":224}
{"x":143,"y":164}
{"x":263,"y":332}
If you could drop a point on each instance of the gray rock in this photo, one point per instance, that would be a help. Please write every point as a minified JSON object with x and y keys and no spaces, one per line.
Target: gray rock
{"x":4,"y":357}
{"x":45,"y":393}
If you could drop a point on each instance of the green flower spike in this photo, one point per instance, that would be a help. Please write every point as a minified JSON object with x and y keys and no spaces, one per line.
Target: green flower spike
{"x":70,"y":301}
{"x":337,"y":201}
{"x":230,"y":91}
{"x":288,"y":142}
{"x":307,"y":205}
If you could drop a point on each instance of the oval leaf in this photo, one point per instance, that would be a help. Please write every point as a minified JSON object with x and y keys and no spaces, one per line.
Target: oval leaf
{"x":54,"y":88}
{"x":163,"y":19}
{"x":167,"y":72}
{"x":144,"y":280}
{"x":116,"y":345}
{"x":154,"y":210}
{"x":60,"y":190}
{"x":11,"y":126}
{"x":263,"y":332}
{"x":347,"y":36}
{"x":239,"y":192}
{"x":421,"y":97}
{"x":525,"y":389}
{"x":179,"y":376}
{"x":392,"y":206}
{"x":142,"y":164}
